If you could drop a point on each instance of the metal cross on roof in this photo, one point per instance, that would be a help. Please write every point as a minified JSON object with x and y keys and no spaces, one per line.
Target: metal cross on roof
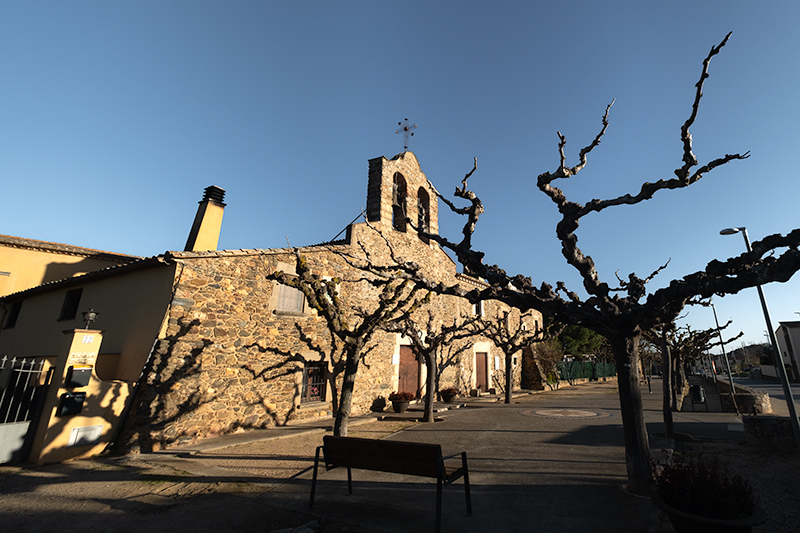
{"x":405,"y":129}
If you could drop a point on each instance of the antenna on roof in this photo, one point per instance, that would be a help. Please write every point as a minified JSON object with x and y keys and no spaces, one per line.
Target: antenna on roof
{"x":347,"y":226}
{"x":405,"y":129}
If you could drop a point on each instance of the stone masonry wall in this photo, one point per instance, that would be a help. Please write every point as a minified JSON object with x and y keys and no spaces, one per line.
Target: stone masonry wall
{"x":228,"y":362}
{"x":212,"y":372}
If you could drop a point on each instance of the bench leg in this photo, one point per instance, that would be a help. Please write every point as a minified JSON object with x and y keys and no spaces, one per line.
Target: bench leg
{"x":349,"y":481}
{"x":466,"y":489}
{"x":314,"y":478}
{"x":438,"y":505}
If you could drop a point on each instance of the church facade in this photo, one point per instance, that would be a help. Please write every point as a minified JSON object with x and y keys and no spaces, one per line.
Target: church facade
{"x":223,"y":349}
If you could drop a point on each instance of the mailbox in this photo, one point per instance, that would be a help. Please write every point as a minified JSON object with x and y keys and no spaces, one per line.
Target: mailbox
{"x":71,"y":403}
{"x":79,"y":375}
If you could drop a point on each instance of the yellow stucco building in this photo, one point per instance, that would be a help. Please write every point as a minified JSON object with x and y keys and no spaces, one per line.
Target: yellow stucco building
{"x":26,"y":263}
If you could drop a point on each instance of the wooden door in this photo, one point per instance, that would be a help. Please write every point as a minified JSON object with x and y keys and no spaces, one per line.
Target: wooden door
{"x":408,"y":377}
{"x":482,"y":371}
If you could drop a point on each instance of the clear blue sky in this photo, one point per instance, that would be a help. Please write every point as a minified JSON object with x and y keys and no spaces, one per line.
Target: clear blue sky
{"x":115,"y":115}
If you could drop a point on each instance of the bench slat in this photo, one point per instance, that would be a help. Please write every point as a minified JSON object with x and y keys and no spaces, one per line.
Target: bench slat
{"x":410,"y":458}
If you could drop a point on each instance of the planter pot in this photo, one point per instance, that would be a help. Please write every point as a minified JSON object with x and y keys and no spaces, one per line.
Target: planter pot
{"x":400,"y":407}
{"x":448,"y":398}
{"x":688,"y":523}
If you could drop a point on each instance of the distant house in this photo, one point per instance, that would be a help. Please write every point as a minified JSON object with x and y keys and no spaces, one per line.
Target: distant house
{"x":197,"y":343}
{"x":788,"y":337}
{"x":26,"y":263}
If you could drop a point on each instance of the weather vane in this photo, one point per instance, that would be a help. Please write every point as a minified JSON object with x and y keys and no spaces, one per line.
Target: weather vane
{"x":405,"y":129}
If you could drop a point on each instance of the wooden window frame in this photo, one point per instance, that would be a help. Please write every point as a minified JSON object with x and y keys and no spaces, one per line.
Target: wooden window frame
{"x":13,"y":314}
{"x":72,"y":300}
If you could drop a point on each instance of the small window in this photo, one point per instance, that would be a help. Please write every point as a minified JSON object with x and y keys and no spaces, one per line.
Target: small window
{"x":313,"y":382}
{"x":13,"y":314}
{"x":69,"y":309}
{"x":477,"y":309}
{"x":290,"y":300}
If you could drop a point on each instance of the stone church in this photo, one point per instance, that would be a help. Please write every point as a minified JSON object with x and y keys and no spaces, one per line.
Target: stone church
{"x":197,"y":343}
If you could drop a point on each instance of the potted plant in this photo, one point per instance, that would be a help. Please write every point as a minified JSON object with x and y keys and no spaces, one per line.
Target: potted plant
{"x":400,"y":401}
{"x":449,"y":394}
{"x":701,"y":495}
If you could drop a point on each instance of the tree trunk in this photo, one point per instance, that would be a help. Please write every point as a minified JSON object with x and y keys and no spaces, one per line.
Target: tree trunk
{"x":683,"y":381}
{"x":679,"y":380}
{"x":430,"y":387}
{"x":666,"y":366}
{"x":348,"y":385}
{"x":334,"y":391}
{"x":637,"y":445}
{"x":509,"y":378}
{"x":675,"y":361}
{"x":437,"y":384}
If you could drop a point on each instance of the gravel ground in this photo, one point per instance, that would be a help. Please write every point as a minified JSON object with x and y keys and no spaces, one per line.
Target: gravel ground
{"x":773,"y":474}
{"x":284,"y":458}
{"x":129,"y":494}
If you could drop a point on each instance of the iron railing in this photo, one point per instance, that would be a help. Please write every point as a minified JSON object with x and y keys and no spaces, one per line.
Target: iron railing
{"x":22,"y":381}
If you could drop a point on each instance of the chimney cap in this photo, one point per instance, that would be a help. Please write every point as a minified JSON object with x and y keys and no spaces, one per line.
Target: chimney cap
{"x":215,"y":194}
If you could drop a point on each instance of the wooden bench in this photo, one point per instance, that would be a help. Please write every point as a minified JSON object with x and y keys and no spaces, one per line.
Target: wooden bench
{"x":410,"y":458}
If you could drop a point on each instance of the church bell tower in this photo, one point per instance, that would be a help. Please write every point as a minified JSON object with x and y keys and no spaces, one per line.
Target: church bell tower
{"x":399,"y":197}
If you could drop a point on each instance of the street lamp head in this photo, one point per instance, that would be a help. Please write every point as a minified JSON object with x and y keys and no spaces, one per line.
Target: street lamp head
{"x":730,"y":231}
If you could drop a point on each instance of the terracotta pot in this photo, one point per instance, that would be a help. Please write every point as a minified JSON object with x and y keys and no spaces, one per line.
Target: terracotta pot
{"x":683,"y":522}
{"x":400,"y":407}
{"x":448,"y":398}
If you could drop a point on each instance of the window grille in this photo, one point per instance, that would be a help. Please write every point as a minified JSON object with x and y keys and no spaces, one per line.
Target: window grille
{"x":313,"y":382}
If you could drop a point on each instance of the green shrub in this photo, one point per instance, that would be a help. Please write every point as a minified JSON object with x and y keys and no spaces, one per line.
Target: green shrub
{"x":704,"y":488}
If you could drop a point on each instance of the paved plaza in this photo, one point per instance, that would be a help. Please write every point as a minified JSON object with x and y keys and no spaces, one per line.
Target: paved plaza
{"x":549,"y":462}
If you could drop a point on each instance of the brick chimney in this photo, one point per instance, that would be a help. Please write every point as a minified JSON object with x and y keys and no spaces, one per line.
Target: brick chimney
{"x":208,"y":221}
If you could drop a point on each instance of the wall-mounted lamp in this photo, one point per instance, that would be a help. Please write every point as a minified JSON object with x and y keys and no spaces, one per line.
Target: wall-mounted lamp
{"x":90,"y":316}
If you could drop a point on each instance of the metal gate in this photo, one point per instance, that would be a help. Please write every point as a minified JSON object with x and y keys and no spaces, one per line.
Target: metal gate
{"x":23,"y":384}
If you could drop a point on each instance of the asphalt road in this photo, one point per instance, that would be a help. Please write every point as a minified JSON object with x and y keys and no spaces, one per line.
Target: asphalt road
{"x":775,"y":390}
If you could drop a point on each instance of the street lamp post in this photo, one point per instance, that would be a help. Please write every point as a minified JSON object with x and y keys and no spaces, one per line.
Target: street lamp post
{"x":776,"y":356}
{"x":722,"y":345}
{"x":725,"y":357}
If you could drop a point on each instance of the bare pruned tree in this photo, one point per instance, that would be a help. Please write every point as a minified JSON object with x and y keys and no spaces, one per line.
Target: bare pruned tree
{"x":429,"y":339}
{"x":290,"y":362}
{"x":511,"y":336}
{"x":680,"y":346}
{"x":620,"y":313}
{"x":396,"y":300}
